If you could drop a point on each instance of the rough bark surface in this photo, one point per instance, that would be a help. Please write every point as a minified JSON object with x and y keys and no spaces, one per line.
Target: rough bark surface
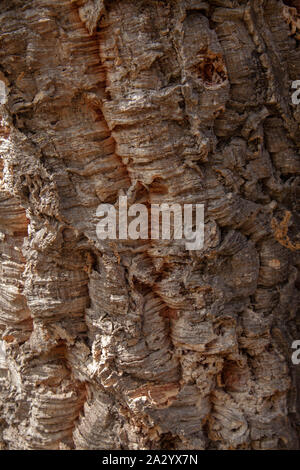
{"x":142,"y":344}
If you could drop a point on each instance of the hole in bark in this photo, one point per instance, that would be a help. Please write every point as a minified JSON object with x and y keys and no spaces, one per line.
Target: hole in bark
{"x":168,"y":441}
{"x":158,"y":186}
{"x":211,"y":69}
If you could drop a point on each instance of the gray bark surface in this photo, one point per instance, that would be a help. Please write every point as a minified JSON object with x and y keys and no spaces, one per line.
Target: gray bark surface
{"x":143,"y":344}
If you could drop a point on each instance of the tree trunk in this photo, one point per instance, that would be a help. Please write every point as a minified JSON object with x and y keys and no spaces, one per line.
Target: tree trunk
{"x":142,"y":344}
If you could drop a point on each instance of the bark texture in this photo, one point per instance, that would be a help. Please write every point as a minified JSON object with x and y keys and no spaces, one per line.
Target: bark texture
{"x":142,"y":344}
